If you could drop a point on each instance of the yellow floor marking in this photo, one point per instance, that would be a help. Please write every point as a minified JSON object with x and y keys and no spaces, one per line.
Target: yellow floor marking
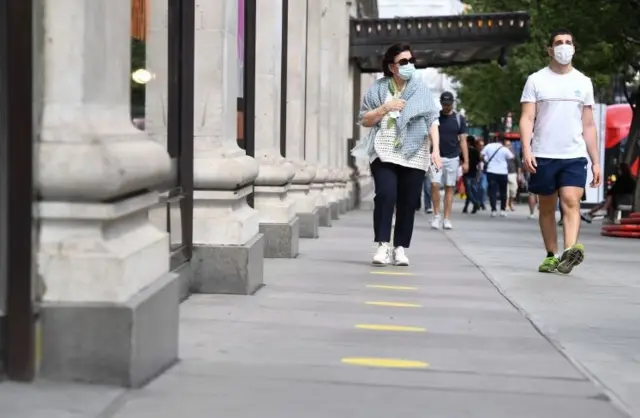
{"x":386,"y":362}
{"x":383,"y":286}
{"x":392,"y":273}
{"x":399,"y":328}
{"x":395,"y":304}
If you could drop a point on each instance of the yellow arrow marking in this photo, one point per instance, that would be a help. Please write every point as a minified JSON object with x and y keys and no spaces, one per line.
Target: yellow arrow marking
{"x":395,"y":304}
{"x":399,"y":328}
{"x":385,"y":362}
{"x":381,"y":286}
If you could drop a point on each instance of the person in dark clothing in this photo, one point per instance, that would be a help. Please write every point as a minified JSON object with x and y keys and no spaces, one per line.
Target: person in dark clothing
{"x":471,"y":183}
{"x":625,"y":184}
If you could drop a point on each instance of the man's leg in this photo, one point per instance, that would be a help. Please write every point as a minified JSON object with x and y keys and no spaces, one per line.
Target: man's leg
{"x":570,"y":204}
{"x":450,"y":176}
{"x":544,"y":184}
{"x":493,"y":192}
{"x":483,"y":188}
{"x":436,"y":179}
{"x":427,"y":194}
{"x":547,"y":220}
{"x":503,"y":187}
{"x":572,"y":179}
{"x":533,"y":199}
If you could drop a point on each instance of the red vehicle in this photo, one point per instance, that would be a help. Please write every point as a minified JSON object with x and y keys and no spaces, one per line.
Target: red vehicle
{"x":617,"y":128}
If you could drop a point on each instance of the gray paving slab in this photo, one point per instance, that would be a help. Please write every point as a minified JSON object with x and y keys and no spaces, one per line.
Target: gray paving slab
{"x":45,"y":399}
{"x":592,"y":315}
{"x":279,"y":353}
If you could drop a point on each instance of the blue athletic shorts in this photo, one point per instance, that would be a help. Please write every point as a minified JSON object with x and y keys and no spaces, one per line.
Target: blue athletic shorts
{"x":553,"y":174}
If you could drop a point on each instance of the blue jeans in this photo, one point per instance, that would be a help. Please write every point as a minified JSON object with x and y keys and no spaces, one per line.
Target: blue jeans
{"x":483,"y":185}
{"x":427,"y":193}
{"x":472,"y":189}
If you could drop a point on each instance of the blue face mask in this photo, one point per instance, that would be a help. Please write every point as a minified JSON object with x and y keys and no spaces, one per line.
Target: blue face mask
{"x":406,"y":71}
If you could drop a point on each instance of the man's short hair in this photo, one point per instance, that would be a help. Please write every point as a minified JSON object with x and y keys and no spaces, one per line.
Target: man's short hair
{"x":561,"y":31}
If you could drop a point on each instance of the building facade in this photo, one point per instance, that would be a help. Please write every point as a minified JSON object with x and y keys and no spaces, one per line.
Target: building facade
{"x":124,"y":184}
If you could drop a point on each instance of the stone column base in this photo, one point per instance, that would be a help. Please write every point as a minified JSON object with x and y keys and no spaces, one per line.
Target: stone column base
{"x":230,"y":269}
{"x":125,"y":344}
{"x":309,"y":224}
{"x":281,"y":240}
{"x":344,"y":206}
{"x":335,"y":209}
{"x":324,"y":214}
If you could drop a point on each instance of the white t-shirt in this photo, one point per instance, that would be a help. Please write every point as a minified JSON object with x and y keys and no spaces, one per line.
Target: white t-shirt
{"x":559,"y":99}
{"x":499,"y":164}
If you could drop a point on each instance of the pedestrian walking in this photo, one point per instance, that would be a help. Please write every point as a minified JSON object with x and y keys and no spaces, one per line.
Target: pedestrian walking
{"x":496,"y":158}
{"x":514,"y":177}
{"x":558,"y":133}
{"x":471,"y":178}
{"x":453,"y":141}
{"x":402,"y":143}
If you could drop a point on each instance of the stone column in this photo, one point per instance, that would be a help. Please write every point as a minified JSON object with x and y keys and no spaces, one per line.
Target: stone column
{"x":110,"y":310}
{"x":313,"y":143}
{"x":228,"y":251}
{"x":327,"y":120}
{"x":278,"y":220}
{"x":343,"y":101}
{"x":300,"y":192}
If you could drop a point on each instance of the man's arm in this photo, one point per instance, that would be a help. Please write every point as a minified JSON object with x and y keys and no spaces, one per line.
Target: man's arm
{"x":589,"y":132}
{"x":590,"y":135}
{"x":527,"y":116}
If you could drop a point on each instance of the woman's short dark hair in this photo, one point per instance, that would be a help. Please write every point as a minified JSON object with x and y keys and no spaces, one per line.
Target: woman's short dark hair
{"x":390,"y":56}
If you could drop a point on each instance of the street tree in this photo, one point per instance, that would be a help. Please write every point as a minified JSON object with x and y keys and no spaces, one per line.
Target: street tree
{"x":607,"y":37}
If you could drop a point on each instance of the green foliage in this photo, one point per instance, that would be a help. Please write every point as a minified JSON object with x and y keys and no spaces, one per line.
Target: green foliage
{"x":606,"y":34}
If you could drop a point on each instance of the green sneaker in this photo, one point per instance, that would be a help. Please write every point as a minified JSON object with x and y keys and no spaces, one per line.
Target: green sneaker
{"x":570,"y":258}
{"x":549,"y":265}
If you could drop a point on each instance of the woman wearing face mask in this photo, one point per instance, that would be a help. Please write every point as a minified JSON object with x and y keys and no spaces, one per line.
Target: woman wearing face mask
{"x":402,"y":143}
{"x":558,"y":133}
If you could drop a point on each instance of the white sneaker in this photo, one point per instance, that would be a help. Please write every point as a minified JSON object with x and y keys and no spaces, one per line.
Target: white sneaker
{"x":533,"y":216}
{"x":503,"y":214}
{"x":494,"y":213}
{"x":382,"y":257}
{"x":435,"y":223}
{"x":399,"y":257}
{"x":446,"y":224}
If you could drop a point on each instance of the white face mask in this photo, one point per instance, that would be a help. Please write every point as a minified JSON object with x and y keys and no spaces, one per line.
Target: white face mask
{"x":563,"y":53}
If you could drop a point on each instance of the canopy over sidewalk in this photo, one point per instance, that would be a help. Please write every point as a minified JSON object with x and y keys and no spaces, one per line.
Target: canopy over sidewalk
{"x":439,"y":41}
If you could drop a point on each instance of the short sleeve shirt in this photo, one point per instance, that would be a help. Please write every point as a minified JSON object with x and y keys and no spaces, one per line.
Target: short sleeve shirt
{"x":499,"y":156}
{"x":449,"y":131}
{"x":559,"y":99}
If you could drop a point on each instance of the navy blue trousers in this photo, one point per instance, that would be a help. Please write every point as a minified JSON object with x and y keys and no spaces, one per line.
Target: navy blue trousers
{"x":396,"y":188}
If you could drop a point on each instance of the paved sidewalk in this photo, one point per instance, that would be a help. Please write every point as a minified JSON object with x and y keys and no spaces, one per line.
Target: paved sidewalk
{"x":299,"y":347}
{"x":290,"y":350}
{"x":591,"y":315}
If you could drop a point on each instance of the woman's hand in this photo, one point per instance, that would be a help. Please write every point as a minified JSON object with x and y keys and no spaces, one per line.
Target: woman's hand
{"x":394,"y":105}
{"x":435,"y":160}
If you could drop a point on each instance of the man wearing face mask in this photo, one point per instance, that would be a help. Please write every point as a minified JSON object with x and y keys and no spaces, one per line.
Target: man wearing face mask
{"x":558,"y":133}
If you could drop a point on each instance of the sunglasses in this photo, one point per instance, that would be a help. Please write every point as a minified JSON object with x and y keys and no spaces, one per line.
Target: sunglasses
{"x":405,"y":61}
